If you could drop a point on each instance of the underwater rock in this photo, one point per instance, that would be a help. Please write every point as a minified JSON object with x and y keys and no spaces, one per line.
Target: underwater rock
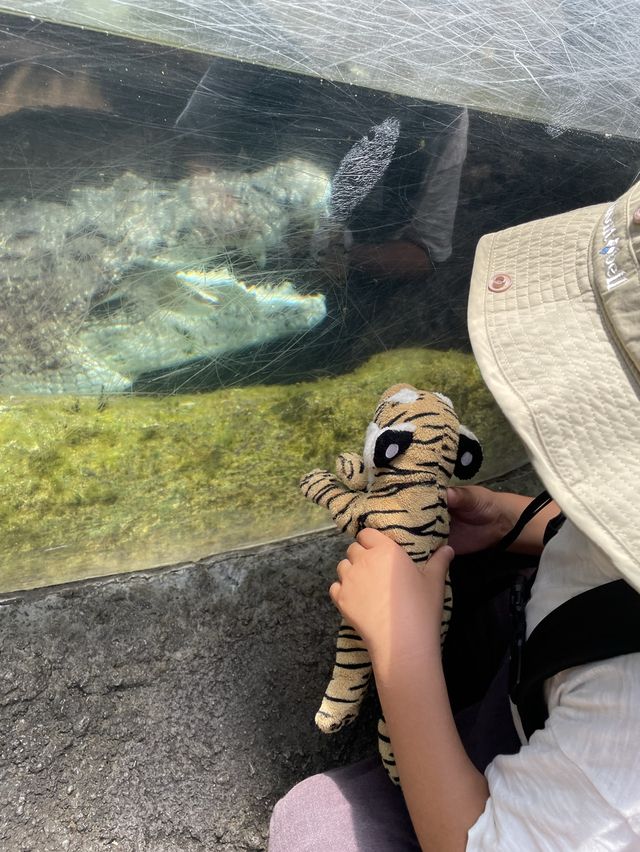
{"x":144,"y":275}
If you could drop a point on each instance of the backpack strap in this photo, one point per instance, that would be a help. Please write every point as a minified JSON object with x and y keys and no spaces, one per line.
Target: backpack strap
{"x":595,"y":625}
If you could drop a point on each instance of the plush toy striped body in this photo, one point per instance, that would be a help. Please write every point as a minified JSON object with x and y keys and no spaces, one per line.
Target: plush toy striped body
{"x":413,"y":446}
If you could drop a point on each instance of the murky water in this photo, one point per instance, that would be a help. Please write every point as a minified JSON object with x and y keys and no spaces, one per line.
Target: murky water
{"x":210,"y":270}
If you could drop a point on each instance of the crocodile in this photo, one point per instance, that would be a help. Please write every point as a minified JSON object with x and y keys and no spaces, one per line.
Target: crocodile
{"x":138,"y":276}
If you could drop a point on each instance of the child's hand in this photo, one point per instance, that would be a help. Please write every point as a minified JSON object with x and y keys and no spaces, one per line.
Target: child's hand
{"x":480,"y":517}
{"x":395,"y":605}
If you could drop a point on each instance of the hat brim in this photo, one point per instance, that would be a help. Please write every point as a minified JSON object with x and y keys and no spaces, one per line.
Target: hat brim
{"x":547,"y":356}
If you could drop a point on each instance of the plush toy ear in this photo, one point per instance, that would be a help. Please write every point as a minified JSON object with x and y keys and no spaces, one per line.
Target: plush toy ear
{"x":469,"y":454}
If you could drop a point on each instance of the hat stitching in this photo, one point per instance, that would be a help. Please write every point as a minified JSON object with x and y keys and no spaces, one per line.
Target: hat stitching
{"x":570,"y":238}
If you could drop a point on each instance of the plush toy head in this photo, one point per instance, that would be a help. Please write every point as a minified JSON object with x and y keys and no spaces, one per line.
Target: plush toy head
{"x":413,"y":446}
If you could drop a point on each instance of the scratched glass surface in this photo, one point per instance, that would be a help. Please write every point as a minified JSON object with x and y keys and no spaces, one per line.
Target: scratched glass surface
{"x":222,"y":236}
{"x":572,"y":63}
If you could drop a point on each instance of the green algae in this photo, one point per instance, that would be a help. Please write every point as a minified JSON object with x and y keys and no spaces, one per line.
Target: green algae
{"x":92,"y":486}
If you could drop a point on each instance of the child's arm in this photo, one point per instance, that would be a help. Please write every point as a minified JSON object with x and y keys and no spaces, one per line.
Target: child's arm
{"x":481,"y":517}
{"x":397,"y":610}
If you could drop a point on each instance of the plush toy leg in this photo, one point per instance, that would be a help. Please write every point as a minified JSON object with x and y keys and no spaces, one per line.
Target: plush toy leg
{"x":349,"y":681}
{"x":386,"y":751}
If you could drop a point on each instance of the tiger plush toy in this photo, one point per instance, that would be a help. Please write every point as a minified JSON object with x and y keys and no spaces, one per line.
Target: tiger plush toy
{"x":412,"y":448}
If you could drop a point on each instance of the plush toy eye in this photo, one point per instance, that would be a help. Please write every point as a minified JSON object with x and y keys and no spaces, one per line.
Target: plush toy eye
{"x":390,"y":444}
{"x":469,"y":455}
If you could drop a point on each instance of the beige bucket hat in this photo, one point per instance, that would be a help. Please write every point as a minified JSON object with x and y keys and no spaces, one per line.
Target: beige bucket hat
{"x":554,"y":320}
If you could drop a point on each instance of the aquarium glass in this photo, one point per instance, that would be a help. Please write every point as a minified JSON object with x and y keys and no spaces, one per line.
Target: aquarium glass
{"x":223,"y":235}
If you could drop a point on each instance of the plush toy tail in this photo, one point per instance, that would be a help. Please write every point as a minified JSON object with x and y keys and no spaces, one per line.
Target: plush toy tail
{"x":348,"y":684}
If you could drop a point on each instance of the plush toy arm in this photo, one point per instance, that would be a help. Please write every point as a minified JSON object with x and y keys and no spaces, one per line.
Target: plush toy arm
{"x":325,"y":489}
{"x":348,"y":684}
{"x":350,"y":470}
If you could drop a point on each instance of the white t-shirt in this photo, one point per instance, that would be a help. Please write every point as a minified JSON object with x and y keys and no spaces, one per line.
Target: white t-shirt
{"x":576,"y":785}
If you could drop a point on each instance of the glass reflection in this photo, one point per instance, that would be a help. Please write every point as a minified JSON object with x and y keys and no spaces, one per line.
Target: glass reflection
{"x":208,"y":271}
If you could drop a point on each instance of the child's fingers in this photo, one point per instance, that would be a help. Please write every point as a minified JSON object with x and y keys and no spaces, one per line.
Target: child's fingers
{"x":342,"y":567}
{"x":369,"y":537}
{"x":334,"y":592}
{"x":353,"y":550}
{"x":440,"y":560}
{"x":461,"y":499}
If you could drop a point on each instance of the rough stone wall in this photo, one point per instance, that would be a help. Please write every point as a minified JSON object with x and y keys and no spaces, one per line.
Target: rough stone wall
{"x":169,"y":710}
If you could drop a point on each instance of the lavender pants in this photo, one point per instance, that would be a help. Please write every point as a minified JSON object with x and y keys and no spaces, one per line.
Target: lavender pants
{"x":357,"y":809}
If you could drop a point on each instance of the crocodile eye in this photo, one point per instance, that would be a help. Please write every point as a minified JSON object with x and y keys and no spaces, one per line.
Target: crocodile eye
{"x":391,"y":443}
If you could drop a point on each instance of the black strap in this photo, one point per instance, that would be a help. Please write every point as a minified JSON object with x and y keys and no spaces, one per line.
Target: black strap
{"x":594,"y":625}
{"x":519,"y":597}
{"x":536,"y":505}
{"x":521,"y":586}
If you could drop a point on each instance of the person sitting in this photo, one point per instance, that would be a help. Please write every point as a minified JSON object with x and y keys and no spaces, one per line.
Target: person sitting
{"x":553,"y":317}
